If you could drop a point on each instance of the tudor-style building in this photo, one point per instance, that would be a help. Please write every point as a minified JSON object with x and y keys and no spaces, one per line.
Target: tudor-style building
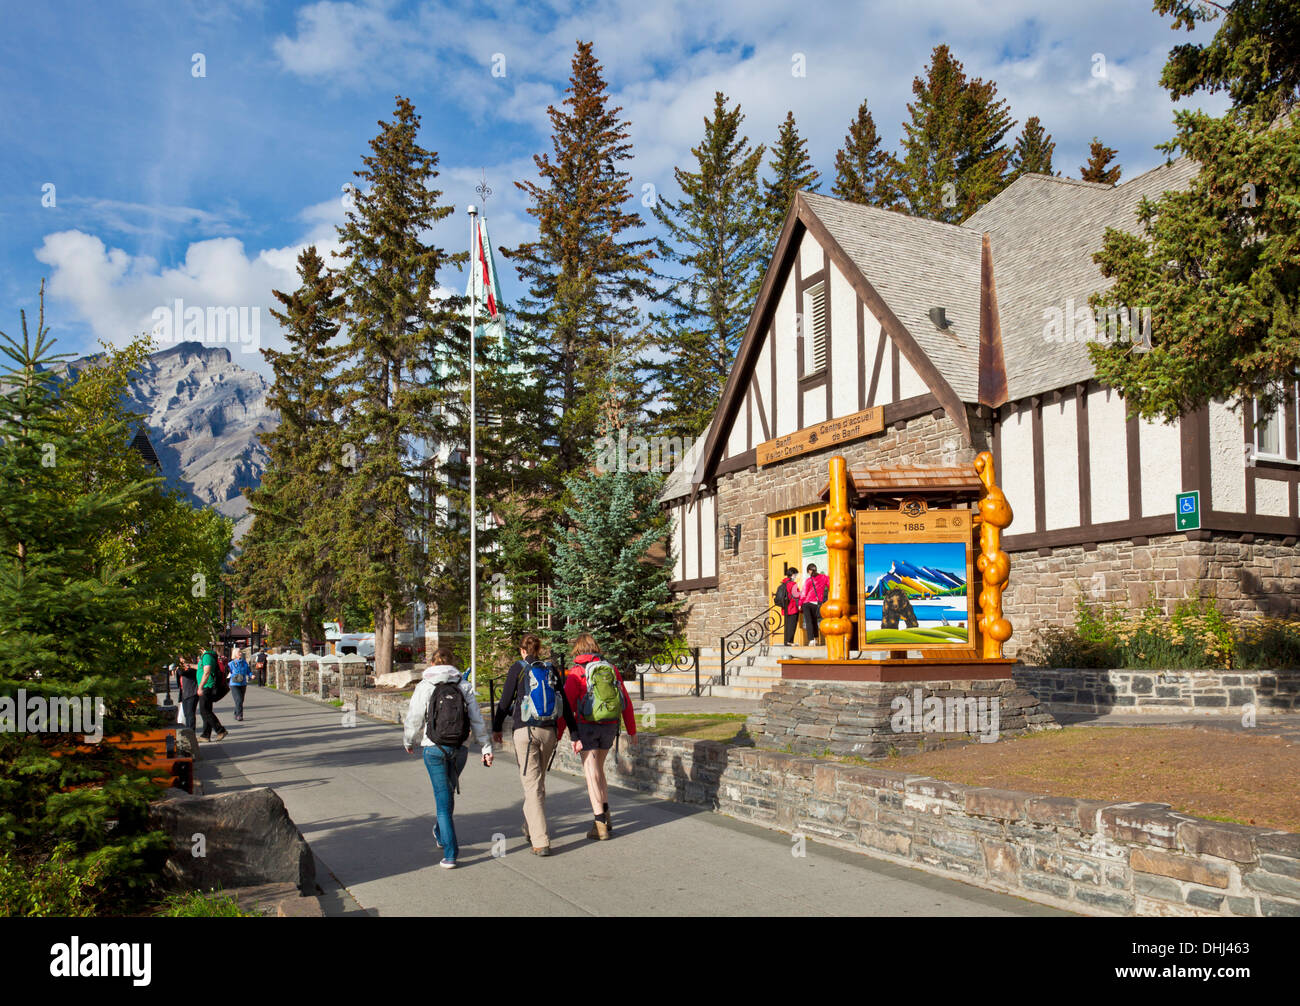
{"x":893,"y":339}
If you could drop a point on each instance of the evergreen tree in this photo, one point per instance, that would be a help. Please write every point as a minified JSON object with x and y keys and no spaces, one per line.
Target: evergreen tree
{"x":862,"y":169}
{"x":717,"y":236}
{"x":585,"y":272}
{"x":954,"y":158}
{"x":402,"y":385}
{"x":1098,"y":167}
{"x":605,"y":583}
{"x":72,"y":627}
{"x":289,"y":570}
{"x":1033,"y":151}
{"x":791,"y":171}
{"x":1215,"y":264}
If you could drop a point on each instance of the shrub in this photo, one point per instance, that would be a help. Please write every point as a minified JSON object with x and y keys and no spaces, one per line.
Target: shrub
{"x":56,"y":885}
{"x":196,"y":904}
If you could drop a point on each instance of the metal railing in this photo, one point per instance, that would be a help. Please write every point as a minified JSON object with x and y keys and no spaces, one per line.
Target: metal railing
{"x":683,"y":660}
{"x":751,"y":633}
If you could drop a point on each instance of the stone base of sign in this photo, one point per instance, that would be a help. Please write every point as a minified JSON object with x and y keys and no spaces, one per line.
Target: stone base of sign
{"x":925,"y":669}
{"x":880,"y":719}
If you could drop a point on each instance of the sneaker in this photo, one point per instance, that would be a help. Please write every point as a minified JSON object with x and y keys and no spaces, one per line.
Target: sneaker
{"x":436,"y":837}
{"x":544,"y":850}
{"x":222,"y":736}
{"x":448,"y":864}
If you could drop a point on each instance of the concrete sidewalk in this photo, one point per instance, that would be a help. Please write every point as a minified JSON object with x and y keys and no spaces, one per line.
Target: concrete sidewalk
{"x":366,"y":808}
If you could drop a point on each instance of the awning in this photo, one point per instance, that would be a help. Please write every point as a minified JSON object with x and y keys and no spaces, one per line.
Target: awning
{"x":900,"y":480}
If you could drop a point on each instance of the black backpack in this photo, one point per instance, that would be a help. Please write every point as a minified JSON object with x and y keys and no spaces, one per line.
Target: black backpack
{"x":782,"y":596}
{"x":448,"y":718}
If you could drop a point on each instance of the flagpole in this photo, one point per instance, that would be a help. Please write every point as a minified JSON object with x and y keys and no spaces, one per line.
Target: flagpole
{"x":473,"y":460}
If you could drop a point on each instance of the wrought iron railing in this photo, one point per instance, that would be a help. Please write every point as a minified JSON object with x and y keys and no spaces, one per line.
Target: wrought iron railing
{"x":751,"y":633}
{"x":681,"y":660}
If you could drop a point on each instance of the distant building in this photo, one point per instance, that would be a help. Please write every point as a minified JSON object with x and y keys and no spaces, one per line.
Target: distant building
{"x":973,"y":338}
{"x":144,"y":448}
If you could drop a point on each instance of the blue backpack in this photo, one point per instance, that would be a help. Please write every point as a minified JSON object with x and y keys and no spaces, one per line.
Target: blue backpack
{"x":540,"y":704}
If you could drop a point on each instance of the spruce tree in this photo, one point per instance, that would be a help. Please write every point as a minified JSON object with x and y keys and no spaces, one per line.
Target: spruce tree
{"x":1033,"y":151}
{"x":717,"y":236}
{"x":954,"y":158}
{"x":1098,"y":167}
{"x":862,"y":169}
{"x":604,"y":582}
{"x":288,"y":573}
{"x":585,"y":272}
{"x":791,"y":172}
{"x":406,"y":354}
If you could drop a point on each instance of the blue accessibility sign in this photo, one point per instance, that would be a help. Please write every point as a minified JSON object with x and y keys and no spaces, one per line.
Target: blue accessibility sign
{"x":1187,"y":511}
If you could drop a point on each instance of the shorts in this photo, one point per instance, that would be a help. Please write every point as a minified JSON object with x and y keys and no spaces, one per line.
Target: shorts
{"x":597,"y":735}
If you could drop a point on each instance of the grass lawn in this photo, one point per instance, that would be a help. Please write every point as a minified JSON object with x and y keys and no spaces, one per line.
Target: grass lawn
{"x":697,"y":726}
{"x":1247,"y":778}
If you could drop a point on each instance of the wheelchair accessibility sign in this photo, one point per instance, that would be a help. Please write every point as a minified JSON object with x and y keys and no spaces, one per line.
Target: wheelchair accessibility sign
{"x":1187,"y":512}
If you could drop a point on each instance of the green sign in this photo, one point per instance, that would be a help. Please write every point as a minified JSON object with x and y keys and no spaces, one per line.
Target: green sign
{"x":814,"y":550}
{"x":1187,"y":511}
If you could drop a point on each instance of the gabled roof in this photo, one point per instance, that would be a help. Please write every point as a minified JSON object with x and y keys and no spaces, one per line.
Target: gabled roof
{"x":144,"y":448}
{"x":1044,"y":231}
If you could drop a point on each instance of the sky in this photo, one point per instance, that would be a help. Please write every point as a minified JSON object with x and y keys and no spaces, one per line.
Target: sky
{"x":179,"y":150}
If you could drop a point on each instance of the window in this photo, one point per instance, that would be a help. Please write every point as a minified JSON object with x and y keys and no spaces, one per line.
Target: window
{"x":815,"y":346}
{"x":1271,"y":429}
{"x":814,"y":521}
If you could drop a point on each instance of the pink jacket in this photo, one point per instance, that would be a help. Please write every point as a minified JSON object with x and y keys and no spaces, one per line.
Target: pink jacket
{"x":814,"y":588}
{"x":792,"y":595}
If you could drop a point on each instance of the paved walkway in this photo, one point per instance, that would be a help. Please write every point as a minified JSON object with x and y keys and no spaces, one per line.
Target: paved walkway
{"x":366,"y":807}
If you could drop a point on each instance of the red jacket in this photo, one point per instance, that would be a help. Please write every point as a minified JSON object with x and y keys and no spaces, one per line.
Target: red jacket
{"x":792,"y":596}
{"x":575,"y":687}
{"x":814,"y":588}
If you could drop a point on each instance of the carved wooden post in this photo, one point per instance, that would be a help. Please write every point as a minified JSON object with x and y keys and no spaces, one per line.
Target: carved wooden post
{"x":836,"y":625}
{"x":993,"y":564}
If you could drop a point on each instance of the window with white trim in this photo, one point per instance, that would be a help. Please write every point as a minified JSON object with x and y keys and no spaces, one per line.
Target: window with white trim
{"x":1271,"y":429}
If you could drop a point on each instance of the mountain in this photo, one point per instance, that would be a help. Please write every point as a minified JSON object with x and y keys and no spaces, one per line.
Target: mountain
{"x":204,"y":413}
{"x":917,"y":581}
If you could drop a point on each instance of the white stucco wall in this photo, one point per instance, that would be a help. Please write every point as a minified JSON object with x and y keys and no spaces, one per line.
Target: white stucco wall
{"x":1107,"y":456}
{"x":787,"y":368}
{"x":1161,"y":457}
{"x":844,"y":344}
{"x":1061,"y":464}
{"x":676,"y":539}
{"x":1017,"y":474}
{"x":1227,"y":461}
{"x":814,"y":406}
{"x":709,"y":533}
{"x":1272,"y":498}
{"x":692,"y":550}
{"x":909,"y":381}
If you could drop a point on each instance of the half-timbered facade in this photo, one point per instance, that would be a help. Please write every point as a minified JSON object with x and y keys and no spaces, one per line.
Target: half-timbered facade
{"x":888,"y":338}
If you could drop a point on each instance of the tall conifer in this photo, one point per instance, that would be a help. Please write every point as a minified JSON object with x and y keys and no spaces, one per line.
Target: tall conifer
{"x":1098,"y":168}
{"x":791,"y":171}
{"x":862,"y":168}
{"x":1033,"y":151}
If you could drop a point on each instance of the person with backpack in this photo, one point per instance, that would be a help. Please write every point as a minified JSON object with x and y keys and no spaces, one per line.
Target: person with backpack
{"x":534,"y":692}
{"x":212,"y":686}
{"x":240,"y":676}
{"x":259,"y":666}
{"x":787,"y":600}
{"x":814,"y":594}
{"x":442,"y":713}
{"x":595,"y":691}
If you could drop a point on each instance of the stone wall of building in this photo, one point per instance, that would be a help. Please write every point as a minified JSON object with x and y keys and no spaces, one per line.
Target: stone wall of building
{"x":1247,"y":578}
{"x":748,"y":497}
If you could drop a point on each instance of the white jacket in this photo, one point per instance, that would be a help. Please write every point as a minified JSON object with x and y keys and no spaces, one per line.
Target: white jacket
{"x":418,"y":710}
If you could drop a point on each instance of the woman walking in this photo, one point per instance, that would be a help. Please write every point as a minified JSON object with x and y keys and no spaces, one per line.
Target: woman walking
{"x":240,"y":676}
{"x":595,"y":690}
{"x":534,"y":694}
{"x":441,"y":714}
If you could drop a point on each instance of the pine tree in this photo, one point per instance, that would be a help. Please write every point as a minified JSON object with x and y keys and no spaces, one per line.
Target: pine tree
{"x":954,"y":158}
{"x":289,"y":570}
{"x":791,"y":172}
{"x":402,"y":386}
{"x":862,"y":168}
{"x":1033,"y":151}
{"x":605,"y":584}
{"x":717,"y":236}
{"x":585,"y":272}
{"x":1097,"y":169}
{"x":1214,"y":263}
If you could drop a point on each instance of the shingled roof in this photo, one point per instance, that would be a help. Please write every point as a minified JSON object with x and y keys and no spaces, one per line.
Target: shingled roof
{"x":1044,"y":231}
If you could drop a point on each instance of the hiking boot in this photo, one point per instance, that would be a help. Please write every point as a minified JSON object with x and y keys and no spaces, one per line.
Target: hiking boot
{"x":609,"y":822}
{"x":599,"y":831}
{"x":222,"y":736}
{"x":544,"y":850}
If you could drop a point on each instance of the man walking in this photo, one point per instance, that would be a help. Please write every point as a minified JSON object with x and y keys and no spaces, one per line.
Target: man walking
{"x":207,"y":683}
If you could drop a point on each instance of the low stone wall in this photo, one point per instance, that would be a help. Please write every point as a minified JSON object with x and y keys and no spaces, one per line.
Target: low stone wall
{"x":318,"y":677}
{"x":876,"y":720}
{"x":1077,"y":690}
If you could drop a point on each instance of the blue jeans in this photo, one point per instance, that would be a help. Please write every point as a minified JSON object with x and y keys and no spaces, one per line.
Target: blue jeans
{"x":237,"y":693}
{"x":444,"y":793}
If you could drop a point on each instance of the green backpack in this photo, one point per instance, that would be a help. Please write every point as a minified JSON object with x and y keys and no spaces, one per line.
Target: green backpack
{"x":603,"y":702}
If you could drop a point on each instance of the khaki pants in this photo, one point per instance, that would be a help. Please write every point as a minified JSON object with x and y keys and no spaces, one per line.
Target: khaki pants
{"x":533,"y":754}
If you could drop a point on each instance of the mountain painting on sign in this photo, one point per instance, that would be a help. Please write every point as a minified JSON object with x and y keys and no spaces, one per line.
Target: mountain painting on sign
{"x":915,"y":594}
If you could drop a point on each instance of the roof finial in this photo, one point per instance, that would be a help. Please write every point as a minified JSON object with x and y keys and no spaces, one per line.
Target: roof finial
{"x":482,"y":188}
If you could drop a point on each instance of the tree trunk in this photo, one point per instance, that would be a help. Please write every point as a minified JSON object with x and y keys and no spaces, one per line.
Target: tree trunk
{"x":304,"y":633}
{"x":384,"y":639}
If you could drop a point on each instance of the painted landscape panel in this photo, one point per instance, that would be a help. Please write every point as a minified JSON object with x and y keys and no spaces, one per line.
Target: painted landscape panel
{"x":915,"y":594}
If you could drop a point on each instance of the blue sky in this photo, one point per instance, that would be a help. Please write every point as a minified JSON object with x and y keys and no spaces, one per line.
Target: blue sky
{"x":168,"y":184}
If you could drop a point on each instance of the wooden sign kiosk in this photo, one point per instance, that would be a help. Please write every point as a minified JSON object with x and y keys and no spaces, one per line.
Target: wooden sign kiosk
{"x":913,"y":513}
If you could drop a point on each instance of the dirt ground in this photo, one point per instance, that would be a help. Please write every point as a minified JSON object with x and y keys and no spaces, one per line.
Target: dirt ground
{"x":1248,"y":778}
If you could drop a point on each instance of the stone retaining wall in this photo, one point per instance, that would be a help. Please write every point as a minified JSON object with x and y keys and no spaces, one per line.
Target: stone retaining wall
{"x":1212,"y":692}
{"x":859,"y":719}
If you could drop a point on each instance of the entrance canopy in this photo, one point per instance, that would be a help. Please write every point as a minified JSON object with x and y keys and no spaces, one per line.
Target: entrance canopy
{"x":903,"y":480}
